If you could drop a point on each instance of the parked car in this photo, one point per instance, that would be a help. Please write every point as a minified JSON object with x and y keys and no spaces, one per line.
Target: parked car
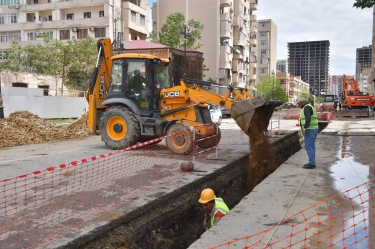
{"x":285,"y":106}
{"x":224,"y":112}
{"x":215,"y":113}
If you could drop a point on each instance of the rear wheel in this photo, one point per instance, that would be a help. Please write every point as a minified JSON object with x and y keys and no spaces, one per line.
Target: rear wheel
{"x":208,"y":141}
{"x":119,"y":128}
{"x":179,"y":139}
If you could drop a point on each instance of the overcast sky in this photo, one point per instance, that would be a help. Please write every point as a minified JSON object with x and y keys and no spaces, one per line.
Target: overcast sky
{"x":346,"y":28}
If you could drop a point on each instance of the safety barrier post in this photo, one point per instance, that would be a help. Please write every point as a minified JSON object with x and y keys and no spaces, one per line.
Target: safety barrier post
{"x":194,"y":142}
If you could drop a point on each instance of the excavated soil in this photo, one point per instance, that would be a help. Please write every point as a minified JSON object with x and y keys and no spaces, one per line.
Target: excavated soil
{"x":23,"y":127}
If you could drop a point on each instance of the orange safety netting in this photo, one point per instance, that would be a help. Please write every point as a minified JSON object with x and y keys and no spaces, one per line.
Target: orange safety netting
{"x":346,"y":220}
{"x":41,"y":206}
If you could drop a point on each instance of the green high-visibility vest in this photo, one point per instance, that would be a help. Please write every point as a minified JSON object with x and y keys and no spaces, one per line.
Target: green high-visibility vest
{"x":314,"y":118}
{"x":219,"y":206}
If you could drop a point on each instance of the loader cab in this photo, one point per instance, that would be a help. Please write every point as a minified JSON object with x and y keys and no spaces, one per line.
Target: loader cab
{"x":140,"y":81}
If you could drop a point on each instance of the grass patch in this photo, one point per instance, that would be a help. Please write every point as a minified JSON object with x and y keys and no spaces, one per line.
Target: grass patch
{"x":60,"y":121}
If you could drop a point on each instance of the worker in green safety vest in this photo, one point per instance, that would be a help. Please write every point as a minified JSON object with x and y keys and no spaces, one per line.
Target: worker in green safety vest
{"x":214,"y":207}
{"x":310,"y":128}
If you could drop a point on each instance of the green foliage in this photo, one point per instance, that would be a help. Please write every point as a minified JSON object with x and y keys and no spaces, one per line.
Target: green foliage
{"x":211,"y":80}
{"x":269,"y":85}
{"x":74,"y":60}
{"x":364,"y":4}
{"x":307,"y":95}
{"x":169,"y":33}
{"x":319,"y":100}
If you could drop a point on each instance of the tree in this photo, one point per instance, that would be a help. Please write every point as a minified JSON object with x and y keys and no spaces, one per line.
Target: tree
{"x":269,"y":85}
{"x":364,"y":4}
{"x":74,"y":60}
{"x":169,"y":33}
{"x":307,"y":95}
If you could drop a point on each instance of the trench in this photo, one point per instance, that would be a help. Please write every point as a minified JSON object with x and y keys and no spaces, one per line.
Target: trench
{"x":174,"y":220}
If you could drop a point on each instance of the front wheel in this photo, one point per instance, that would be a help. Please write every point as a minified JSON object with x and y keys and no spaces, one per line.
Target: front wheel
{"x":179,"y":139}
{"x":119,"y":128}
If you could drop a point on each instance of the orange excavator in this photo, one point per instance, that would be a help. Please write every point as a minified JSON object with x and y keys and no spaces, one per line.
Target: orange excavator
{"x":355,"y":102}
{"x":131,"y":100}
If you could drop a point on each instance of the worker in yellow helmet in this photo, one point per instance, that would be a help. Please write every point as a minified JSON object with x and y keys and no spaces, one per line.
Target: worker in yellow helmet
{"x":214,"y":206}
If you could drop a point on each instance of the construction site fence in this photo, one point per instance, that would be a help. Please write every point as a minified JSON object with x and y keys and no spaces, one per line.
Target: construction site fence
{"x":40,"y":207}
{"x":346,"y":220}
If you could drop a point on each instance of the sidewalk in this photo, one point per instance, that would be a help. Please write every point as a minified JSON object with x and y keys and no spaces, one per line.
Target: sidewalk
{"x":343,"y":162}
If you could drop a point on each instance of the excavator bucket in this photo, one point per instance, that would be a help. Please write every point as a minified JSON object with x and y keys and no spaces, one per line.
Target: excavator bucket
{"x":253,"y":116}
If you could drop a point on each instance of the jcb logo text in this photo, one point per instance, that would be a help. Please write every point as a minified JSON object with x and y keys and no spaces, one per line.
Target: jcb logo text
{"x":172,"y":94}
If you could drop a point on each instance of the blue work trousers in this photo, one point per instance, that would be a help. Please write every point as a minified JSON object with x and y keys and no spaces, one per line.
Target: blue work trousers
{"x":310,"y":136}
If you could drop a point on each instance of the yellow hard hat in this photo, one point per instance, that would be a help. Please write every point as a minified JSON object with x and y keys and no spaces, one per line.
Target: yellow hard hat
{"x":207,"y":195}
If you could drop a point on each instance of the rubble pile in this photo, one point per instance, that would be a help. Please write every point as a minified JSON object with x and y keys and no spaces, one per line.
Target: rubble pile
{"x":23,"y":127}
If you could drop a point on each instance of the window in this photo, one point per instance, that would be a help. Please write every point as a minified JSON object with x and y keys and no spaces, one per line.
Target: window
{"x":81,"y":33}
{"x":8,"y":18}
{"x":263,"y":42}
{"x":10,"y":36}
{"x":263,"y":51}
{"x":69,"y":16}
{"x":87,"y":15}
{"x":99,"y":32}
{"x":2,"y":54}
{"x":133,"y":18}
{"x":143,"y":20}
{"x":263,"y":70}
{"x":9,"y":2}
{"x":31,"y":36}
{"x":263,"y":34}
{"x":49,"y":18}
{"x":101,"y":13}
{"x":263,"y":24}
{"x":64,"y":34}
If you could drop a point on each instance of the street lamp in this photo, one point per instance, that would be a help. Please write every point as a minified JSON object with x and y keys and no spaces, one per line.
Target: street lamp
{"x":273,"y":80}
{"x":186,"y":36}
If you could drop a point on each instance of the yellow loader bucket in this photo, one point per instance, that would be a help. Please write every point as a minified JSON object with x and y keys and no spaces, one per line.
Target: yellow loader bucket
{"x":253,"y":116}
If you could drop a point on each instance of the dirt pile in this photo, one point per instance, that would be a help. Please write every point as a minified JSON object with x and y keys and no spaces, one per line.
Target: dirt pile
{"x":23,"y":127}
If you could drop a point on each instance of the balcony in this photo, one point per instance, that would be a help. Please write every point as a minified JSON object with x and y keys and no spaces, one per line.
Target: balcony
{"x":226,"y":17}
{"x":253,"y":30}
{"x":225,"y":33}
{"x":237,"y":56}
{"x":253,"y":5}
{"x":253,"y":41}
{"x":38,"y":5}
{"x":224,"y":57}
{"x":252,"y":65}
{"x":253,"y":18}
{"x":225,"y":3}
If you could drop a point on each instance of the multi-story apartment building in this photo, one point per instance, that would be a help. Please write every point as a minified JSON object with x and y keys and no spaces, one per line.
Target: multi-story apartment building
{"x":225,"y":36}
{"x":363,"y":60}
{"x":267,"y":48}
{"x":310,"y":60}
{"x":26,"y":20}
{"x":337,"y":84}
{"x":292,"y":86}
{"x":363,"y":67}
{"x":281,"y":66}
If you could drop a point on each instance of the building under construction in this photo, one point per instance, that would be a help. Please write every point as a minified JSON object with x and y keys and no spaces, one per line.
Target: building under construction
{"x":310,"y":60}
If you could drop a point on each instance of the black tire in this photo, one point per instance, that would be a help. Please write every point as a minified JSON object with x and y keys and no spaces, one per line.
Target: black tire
{"x":119,"y":128}
{"x":212,"y":141}
{"x":180,"y":143}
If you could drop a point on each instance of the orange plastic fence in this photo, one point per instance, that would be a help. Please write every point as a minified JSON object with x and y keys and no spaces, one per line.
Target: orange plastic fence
{"x":39,"y":207}
{"x":346,"y":220}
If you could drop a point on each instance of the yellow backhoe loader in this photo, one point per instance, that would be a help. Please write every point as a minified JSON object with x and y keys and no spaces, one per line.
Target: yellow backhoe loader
{"x":131,"y":100}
